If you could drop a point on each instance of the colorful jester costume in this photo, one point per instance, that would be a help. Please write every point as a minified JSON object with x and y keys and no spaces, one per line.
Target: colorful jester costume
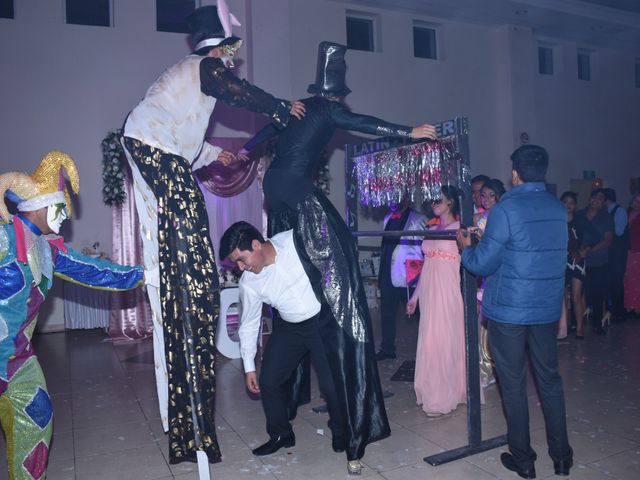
{"x":29,"y":259}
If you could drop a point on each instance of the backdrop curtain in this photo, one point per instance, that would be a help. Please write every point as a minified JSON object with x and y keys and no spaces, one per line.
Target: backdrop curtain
{"x":130,"y":316}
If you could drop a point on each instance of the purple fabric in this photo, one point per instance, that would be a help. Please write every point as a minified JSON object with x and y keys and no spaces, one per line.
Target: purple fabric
{"x":23,"y":349}
{"x":228,"y":181}
{"x":36,"y":461}
{"x":130,"y":317}
{"x":232,"y":180}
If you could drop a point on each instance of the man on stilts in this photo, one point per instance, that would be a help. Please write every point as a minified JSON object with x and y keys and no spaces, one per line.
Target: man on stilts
{"x":163,"y":135}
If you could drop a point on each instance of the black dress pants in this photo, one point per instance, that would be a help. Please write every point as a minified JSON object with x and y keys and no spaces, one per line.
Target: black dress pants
{"x":509,"y":343}
{"x":390,"y":298}
{"x":597,"y":288}
{"x":288,"y":344}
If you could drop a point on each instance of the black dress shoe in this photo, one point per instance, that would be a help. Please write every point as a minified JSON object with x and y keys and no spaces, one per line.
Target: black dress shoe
{"x":599,"y":331}
{"x":382,"y":355}
{"x":562,"y":467}
{"x":275,"y":444}
{"x":510,"y":464}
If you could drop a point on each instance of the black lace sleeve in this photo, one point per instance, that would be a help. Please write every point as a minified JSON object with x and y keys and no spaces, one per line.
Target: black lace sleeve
{"x":348,"y":120}
{"x":217,"y":81}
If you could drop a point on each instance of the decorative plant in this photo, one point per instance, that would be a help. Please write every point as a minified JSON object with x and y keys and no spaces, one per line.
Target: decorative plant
{"x":113,"y":169}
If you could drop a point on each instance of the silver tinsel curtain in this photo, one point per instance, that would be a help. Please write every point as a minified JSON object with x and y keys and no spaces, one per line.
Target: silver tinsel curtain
{"x":414,"y":172}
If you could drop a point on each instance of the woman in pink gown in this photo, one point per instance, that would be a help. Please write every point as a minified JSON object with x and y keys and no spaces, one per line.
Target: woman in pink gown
{"x":440,"y":375}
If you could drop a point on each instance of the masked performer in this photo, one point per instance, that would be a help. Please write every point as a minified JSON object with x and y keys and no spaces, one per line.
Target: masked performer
{"x":31,"y":253}
{"x":326,"y":247}
{"x":163,"y":135}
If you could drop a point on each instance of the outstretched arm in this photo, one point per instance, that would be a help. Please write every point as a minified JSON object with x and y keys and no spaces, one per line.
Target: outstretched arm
{"x":95,"y":272}
{"x":486,"y":257}
{"x":264,"y":134}
{"x":348,"y":120}
{"x":212,"y":153}
{"x":217,"y":81}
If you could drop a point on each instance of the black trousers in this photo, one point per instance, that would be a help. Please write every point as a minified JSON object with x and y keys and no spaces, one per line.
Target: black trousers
{"x":288,"y":344}
{"x":390,"y":298}
{"x":509,"y":343}
{"x":597,"y":289}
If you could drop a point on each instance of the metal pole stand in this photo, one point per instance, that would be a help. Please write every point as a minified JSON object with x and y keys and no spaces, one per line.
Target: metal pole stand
{"x":457,"y":128}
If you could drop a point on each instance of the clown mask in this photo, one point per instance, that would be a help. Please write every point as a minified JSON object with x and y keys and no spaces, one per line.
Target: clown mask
{"x":228,"y":53}
{"x":56,"y":214}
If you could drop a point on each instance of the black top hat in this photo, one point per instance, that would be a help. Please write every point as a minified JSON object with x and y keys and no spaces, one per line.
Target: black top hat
{"x":331,"y":70}
{"x":204,"y":24}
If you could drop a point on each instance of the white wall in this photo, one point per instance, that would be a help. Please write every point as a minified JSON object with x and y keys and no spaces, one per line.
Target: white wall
{"x":65,"y":86}
{"x":394,"y":85}
{"x":591,"y":125}
{"x":489,"y":74}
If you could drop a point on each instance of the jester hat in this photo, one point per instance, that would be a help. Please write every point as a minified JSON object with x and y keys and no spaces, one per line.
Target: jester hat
{"x":44,"y":187}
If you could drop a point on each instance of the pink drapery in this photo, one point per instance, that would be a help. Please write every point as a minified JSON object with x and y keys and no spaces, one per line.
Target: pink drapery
{"x":130,"y":317}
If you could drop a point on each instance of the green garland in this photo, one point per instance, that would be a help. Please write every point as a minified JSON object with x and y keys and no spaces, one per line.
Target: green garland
{"x":113,"y":169}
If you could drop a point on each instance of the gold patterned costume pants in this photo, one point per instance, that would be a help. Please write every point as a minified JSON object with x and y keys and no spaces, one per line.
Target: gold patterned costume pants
{"x":190,"y":300}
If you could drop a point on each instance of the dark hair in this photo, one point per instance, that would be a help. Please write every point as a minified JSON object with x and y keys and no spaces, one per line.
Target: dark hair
{"x":569,"y":194}
{"x":597,"y":191}
{"x":427,"y":208}
{"x":530,"y":162}
{"x":610,"y":194}
{"x":239,"y":235}
{"x":453,"y":194}
{"x":497,"y":186}
{"x":480,"y":178}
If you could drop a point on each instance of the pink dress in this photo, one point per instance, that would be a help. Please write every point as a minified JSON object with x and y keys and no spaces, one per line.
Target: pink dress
{"x":441,"y":375}
{"x":632,"y":274}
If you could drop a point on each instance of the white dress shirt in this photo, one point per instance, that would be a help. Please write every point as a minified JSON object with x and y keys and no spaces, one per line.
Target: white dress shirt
{"x":284,"y":285}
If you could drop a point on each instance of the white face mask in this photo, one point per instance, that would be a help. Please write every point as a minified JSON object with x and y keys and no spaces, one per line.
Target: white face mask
{"x":56,"y":214}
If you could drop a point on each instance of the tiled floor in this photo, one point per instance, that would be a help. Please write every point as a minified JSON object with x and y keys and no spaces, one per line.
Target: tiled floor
{"x":107,"y":424}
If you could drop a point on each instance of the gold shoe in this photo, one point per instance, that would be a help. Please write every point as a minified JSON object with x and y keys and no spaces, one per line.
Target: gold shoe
{"x":606,"y":320}
{"x":354,"y":467}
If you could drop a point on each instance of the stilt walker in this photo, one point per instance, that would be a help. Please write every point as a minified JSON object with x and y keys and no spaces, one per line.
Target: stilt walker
{"x":326,"y":247}
{"x":164,"y":141}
